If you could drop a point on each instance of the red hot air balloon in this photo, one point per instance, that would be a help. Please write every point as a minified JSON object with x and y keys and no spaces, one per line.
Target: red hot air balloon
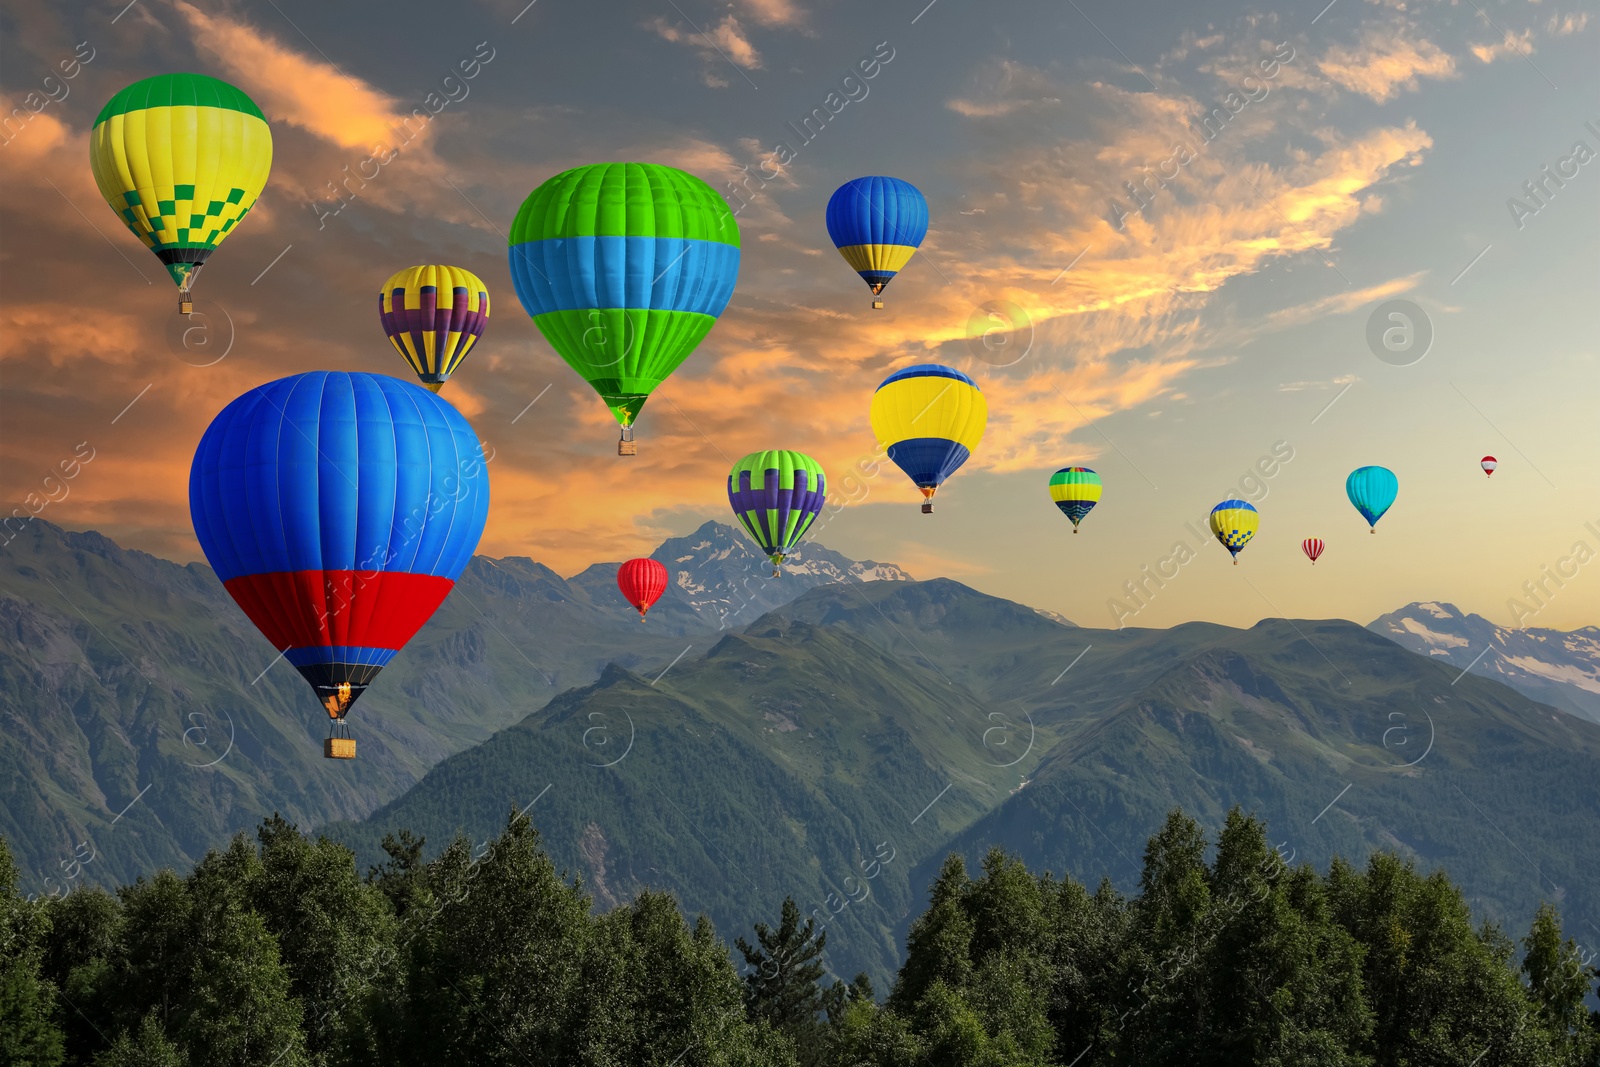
{"x":1312,"y":547}
{"x":642,"y":581}
{"x":1488,"y":463}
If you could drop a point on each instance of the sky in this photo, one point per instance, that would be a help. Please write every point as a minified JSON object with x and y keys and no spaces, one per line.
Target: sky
{"x":1184,"y":307}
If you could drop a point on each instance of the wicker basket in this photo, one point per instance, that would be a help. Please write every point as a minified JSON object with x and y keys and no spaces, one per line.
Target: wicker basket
{"x":339,"y":748}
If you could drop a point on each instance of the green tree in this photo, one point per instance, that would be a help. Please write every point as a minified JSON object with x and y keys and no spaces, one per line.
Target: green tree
{"x":785,"y":967}
{"x":28,"y":1033}
{"x":1559,"y":983}
{"x":146,"y":1047}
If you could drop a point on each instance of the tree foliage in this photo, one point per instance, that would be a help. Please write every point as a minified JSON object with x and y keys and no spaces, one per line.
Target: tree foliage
{"x":275,"y":953}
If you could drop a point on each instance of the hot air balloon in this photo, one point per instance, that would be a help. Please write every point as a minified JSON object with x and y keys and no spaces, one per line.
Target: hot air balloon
{"x":1312,"y":547}
{"x":642,"y":581}
{"x":181,"y":159}
{"x":931,"y":417}
{"x":877,"y":224}
{"x":433,"y":315}
{"x":1372,"y":490}
{"x":624,"y":268}
{"x":1234,"y":523}
{"x":776,"y":495}
{"x":1076,"y":490}
{"x":1488,"y":463}
{"x":338,"y":510}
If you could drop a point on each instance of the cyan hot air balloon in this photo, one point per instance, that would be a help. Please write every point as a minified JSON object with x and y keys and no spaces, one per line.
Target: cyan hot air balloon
{"x":1372,"y":490}
{"x":338,"y":511}
{"x":932,"y":418}
{"x":181,"y":159}
{"x":433,"y":315}
{"x":624,"y":268}
{"x":1234,"y":523}
{"x":877,"y":223}
{"x":1075,"y":490}
{"x":777,"y":495}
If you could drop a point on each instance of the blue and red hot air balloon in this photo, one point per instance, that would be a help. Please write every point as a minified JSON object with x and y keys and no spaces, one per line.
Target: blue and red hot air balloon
{"x":338,"y":510}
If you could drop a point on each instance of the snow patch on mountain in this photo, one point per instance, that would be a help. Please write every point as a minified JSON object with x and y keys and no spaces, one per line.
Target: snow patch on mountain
{"x":1555,"y":667}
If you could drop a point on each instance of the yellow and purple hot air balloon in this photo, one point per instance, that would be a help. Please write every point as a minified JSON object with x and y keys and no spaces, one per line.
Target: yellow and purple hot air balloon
{"x":181,"y":159}
{"x":876,"y":224}
{"x":624,"y":267}
{"x":1075,"y":490}
{"x":777,"y":495}
{"x":433,"y":315}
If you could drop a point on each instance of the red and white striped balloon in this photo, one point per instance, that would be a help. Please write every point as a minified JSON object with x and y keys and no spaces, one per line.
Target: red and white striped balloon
{"x":1312,"y":547}
{"x":1488,"y":463}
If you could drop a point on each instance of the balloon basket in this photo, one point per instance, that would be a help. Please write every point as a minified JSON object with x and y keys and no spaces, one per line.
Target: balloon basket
{"x":185,"y":306}
{"x":339,"y":748}
{"x":877,"y":305}
{"x":927,"y":508}
{"x":625,"y":445}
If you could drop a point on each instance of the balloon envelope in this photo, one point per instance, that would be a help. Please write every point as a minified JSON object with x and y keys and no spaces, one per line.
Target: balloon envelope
{"x":1372,"y":490}
{"x":624,"y":267}
{"x":932,"y":418}
{"x":338,"y":511}
{"x":1234,"y":523}
{"x":777,"y":495}
{"x":642,"y":581}
{"x":1312,"y":547}
{"x":1075,"y":490}
{"x":1488,"y":463}
{"x":180,"y":158}
{"x":877,"y":223}
{"x":433,"y":315}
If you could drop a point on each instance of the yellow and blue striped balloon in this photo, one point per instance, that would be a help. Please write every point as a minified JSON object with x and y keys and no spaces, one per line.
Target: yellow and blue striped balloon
{"x":931,"y":418}
{"x":181,"y":159}
{"x":1076,"y":490}
{"x":1234,"y":523}
{"x":877,"y":224}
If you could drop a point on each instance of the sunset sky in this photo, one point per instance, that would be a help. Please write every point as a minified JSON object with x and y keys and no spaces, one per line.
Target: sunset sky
{"x":1172,"y":347}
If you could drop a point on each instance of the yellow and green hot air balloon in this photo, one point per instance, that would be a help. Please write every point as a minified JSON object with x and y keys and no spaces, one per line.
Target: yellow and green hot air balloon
{"x":624,"y":267}
{"x":1075,"y":490}
{"x":181,"y":159}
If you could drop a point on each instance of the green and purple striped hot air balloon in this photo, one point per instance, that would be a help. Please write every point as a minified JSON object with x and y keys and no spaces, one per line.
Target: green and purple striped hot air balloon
{"x":624,"y":267}
{"x":777,"y":495}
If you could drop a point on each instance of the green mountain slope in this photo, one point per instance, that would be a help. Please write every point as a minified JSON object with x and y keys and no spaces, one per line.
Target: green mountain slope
{"x":145,"y":719}
{"x":787,"y":760}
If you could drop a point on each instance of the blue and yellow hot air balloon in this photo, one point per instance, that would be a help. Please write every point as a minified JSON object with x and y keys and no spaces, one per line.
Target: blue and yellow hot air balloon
{"x":931,"y":418}
{"x":1372,"y":490}
{"x":624,"y":267}
{"x":433,"y":315}
{"x":1234,"y":522}
{"x":877,"y":224}
{"x":181,"y":159}
{"x":777,"y":495}
{"x":1076,"y":490}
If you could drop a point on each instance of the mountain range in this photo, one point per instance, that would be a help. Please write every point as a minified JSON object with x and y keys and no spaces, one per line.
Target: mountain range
{"x":1555,"y":667}
{"x":829,"y":735}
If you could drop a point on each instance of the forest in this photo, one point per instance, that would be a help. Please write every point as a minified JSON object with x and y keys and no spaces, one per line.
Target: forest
{"x":278,"y":952}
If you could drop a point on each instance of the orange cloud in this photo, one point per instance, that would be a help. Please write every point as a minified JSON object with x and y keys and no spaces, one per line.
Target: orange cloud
{"x":1385,"y":63}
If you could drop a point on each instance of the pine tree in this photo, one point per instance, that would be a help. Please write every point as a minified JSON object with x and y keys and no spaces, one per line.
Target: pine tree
{"x":29,"y":1036}
{"x":785,"y":966}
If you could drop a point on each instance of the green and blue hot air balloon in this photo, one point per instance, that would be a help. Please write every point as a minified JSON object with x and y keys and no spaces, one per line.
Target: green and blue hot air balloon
{"x":1075,"y":490}
{"x":777,"y":495}
{"x":624,"y":267}
{"x":1372,"y":490}
{"x":877,"y":223}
